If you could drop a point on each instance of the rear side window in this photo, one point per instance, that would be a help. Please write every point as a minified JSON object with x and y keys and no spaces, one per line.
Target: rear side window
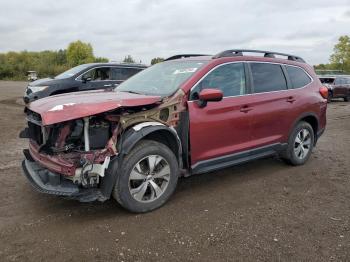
{"x":298,"y":77}
{"x":267,"y":77}
{"x":123,"y":73}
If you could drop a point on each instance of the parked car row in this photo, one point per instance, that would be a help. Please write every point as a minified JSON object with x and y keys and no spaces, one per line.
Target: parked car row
{"x":82,"y":78}
{"x":188,"y":115}
{"x":338,"y":86}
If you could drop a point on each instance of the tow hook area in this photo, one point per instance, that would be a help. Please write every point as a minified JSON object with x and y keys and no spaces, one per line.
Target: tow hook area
{"x":89,"y":174}
{"x":45,"y":181}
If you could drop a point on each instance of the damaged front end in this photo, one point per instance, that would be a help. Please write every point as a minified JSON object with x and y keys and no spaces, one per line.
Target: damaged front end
{"x":70,"y":158}
{"x":78,"y":158}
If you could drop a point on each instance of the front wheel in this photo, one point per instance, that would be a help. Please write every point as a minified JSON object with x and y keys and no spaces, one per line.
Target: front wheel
{"x":300,"y":144}
{"x":147,"y":178}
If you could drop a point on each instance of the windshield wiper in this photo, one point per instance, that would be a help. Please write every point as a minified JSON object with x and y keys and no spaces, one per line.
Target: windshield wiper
{"x":127,"y":91}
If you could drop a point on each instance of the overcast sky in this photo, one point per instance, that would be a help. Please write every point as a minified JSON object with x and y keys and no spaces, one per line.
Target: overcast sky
{"x":151,"y":28}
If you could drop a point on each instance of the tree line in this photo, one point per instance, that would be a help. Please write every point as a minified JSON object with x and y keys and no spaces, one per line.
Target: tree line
{"x":340,"y":59}
{"x":14,"y":65}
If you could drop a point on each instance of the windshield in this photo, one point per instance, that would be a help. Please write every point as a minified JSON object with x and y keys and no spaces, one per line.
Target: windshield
{"x":71,"y":72}
{"x":162,"y":79}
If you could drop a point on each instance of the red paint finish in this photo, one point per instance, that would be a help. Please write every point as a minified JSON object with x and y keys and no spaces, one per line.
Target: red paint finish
{"x":219,"y":128}
{"x":240,"y":123}
{"x":52,"y":163}
{"x":60,"y":108}
{"x":210,"y":95}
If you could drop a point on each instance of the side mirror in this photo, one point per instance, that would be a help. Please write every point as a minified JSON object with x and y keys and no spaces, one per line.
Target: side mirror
{"x":209,"y":95}
{"x":85,"y":79}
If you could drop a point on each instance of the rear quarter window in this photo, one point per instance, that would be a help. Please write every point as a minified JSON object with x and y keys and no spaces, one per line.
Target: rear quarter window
{"x":298,"y":77}
{"x":268,"y":77}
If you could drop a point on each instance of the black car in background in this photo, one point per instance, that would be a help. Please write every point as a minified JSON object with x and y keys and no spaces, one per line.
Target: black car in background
{"x":81,"y":78}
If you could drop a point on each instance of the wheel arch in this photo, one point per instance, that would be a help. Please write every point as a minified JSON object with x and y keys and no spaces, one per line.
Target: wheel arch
{"x":128,"y":140}
{"x":312,"y":119}
{"x":152,"y":131}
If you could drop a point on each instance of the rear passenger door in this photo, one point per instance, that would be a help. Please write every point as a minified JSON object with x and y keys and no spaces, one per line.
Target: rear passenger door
{"x":271,"y":102}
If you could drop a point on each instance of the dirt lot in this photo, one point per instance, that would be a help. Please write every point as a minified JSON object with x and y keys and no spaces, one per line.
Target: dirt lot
{"x":265,"y":210}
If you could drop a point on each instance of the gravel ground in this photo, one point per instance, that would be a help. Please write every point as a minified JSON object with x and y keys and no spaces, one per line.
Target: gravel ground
{"x":261,"y":211}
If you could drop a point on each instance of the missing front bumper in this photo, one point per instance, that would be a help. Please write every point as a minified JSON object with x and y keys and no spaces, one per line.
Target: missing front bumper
{"x":45,"y":181}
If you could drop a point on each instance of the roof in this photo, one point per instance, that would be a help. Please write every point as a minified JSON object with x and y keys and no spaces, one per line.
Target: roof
{"x":241,"y":53}
{"x":118,"y":64}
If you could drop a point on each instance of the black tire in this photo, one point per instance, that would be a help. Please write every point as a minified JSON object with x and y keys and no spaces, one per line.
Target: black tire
{"x":122,"y":192}
{"x":290,"y":155}
{"x":347,"y":98}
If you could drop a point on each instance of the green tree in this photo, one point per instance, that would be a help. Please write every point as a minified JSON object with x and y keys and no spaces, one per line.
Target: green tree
{"x":341,"y":55}
{"x":128,"y":59}
{"x":101,"y":60}
{"x":79,"y":53}
{"x":157,"y":60}
{"x":14,"y":65}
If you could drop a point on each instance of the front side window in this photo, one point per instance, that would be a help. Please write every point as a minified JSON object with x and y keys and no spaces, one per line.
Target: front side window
{"x":161,"y":79}
{"x":268,"y":77}
{"x":229,"y":78}
{"x":98,"y":74}
{"x":298,"y":77}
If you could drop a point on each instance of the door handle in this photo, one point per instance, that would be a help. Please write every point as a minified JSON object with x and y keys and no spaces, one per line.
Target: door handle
{"x":291,"y":99}
{"x":245,"y":109}
{"x":107,"y":85}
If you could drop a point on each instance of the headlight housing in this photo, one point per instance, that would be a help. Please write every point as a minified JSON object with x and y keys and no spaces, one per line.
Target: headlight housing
{"x":35,"y":89}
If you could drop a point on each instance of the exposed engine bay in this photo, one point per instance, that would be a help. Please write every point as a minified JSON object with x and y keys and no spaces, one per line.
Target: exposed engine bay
{"x":81,"y":149}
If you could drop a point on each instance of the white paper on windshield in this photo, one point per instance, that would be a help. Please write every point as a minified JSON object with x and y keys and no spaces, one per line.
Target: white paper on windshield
{"x":185,"y":71}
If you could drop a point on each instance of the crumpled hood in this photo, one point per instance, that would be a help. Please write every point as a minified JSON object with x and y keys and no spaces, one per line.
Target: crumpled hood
{"x":60,"y":108}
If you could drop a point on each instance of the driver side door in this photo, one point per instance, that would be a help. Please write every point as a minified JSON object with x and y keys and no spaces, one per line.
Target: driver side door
{"x":220,"y":130}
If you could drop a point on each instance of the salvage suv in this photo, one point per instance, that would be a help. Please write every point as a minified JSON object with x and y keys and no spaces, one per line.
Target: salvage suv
{"x":185,"y":116}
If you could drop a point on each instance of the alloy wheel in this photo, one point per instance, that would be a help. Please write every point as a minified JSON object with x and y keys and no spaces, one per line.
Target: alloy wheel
{"x":149,"y":178}
{"x":302,"y":143}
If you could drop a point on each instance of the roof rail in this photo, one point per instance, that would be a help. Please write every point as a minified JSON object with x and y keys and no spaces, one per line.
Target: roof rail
{"x":239,"y":52}
{"x":183,"y":56}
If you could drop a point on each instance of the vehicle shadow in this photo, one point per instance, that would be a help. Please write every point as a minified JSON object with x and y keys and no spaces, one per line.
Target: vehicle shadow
{"x":196,"y":184}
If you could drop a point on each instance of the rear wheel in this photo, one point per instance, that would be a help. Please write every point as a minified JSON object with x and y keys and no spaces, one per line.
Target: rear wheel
{"x":300,"y":144}
{"x":347,"y":98}
{"x":148,"y":177}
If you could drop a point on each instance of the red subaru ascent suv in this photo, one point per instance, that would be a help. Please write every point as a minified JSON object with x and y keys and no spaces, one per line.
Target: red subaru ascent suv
{"x":187,"y":115}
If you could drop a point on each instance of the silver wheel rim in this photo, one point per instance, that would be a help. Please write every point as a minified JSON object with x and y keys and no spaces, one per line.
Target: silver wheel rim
{"x":302,"y":143}
{"x":149,"y":178}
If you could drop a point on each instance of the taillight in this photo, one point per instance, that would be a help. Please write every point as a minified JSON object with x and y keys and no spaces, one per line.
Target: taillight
{"x":324,"y":92}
